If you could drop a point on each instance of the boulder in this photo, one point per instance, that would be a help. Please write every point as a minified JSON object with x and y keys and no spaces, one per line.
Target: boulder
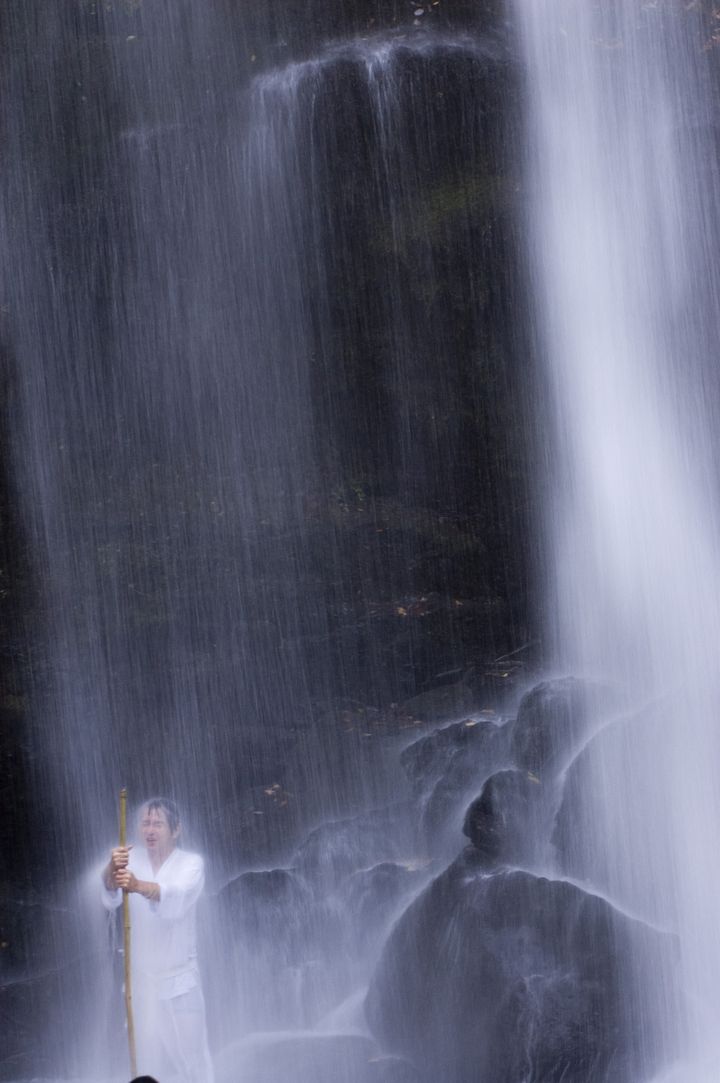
{"x":506,"y":976}
{"x":272,"y":948}
{"x":554,"y":719}
{"x":373,"y":898}
{"x":273,"y":905}
{"x":504,"y":821}
{"x":432,"y":756}
{"x":337,"y":849}
{"x":447,"y":769}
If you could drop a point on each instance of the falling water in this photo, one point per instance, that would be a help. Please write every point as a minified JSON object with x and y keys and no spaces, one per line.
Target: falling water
{"x":210,"y":266}
{"x":624,"y":221}
{"x":265,"y":359}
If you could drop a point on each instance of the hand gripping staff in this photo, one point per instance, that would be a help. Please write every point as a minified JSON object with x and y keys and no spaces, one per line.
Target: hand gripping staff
{"x":126,"y":943}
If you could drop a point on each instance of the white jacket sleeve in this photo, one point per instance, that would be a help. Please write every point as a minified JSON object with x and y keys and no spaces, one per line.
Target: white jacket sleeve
{"x":110,"y":899}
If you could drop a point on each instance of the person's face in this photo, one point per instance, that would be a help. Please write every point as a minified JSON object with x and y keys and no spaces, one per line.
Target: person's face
{"x":155,"y":832}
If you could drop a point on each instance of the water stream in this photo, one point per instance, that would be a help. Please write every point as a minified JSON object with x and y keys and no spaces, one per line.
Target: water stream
{"x":624,"y":217}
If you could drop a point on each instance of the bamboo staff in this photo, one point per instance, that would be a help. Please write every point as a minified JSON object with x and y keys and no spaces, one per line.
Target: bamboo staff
{"x":126,"y":943}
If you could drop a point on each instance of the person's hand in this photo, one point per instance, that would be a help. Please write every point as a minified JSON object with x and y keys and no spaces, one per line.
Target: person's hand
{"x":126,"y":880}
{"x":119,"y":858}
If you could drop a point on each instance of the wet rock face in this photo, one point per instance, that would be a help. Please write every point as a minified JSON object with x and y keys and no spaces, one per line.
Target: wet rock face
{"x":291,"y":944}
{"x":261,"y":901}
{"x":554,"y":719}
{"x":335,"y":850}
{"x":499,"y":823}
{"x":489,"y":976}
{"x":271,"y":943}
{"x":427,"y":760}
{"x":446,"y":770}
{"x":285,"y":29}
{"x":375,"y":897}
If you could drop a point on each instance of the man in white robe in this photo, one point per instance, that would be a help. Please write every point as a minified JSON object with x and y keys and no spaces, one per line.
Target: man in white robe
{"x":164,"y":883}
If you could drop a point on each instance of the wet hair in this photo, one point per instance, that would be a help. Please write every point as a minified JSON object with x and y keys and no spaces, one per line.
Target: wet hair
{"x":168,"y":807}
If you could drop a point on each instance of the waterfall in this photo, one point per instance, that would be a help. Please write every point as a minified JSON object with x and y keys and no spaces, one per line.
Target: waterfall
{"x":259,"y":352}
{"x":623,"y":220}
{"x":198,"y":292}
{"x":269,"y":370}
{"x":160,"y":448}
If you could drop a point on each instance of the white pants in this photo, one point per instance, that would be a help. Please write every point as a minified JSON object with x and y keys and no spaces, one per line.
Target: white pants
{"x":171,"y":1036}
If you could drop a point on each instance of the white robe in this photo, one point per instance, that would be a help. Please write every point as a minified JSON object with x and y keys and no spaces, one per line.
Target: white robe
{"x":168,"y":1006}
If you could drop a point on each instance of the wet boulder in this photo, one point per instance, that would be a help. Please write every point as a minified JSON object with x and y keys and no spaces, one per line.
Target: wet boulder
{"x":491,"y":975}
{"x":447,"y":769}
{"x":504,"y":821}
{"x":554,"y":719}
{"x":374,"y":897}
{"x":270,"y":943}
{"x":271,"y":905}
{"x":435,"y":754}
{"x":337,"y":849}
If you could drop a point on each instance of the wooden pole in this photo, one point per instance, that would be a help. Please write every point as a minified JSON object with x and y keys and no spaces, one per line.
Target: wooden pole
{"x":126,"y":944}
